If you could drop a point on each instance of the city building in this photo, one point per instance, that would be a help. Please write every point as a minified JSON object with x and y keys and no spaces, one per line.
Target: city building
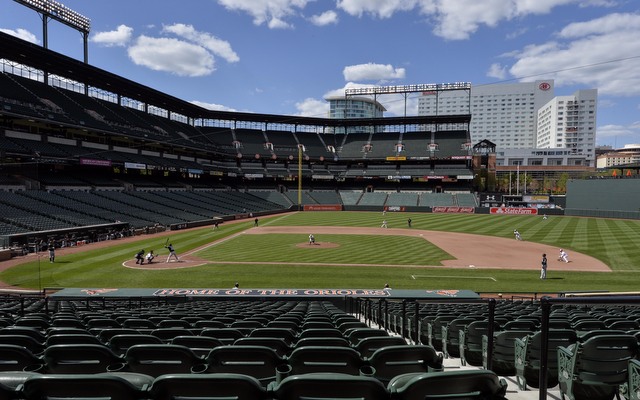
{"x":569,"y":122}
{"x":629,"y":154}
{"x":354,"y":107}
{"x":505,"y":114}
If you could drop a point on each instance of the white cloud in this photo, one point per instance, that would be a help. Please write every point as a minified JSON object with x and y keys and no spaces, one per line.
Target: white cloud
{"x":212,"y":106}
{"x":171,"y":55}
{"x":598,"y":53}
{"x":22,"y":34}
{"x":311,"y":107}
{"x":623,"y":134}
{"x":372,"y":72}
{"x":341,"y":91}
{"x":326,"y":18}
{"x":217,"y":46}
{"x":119,"y":37}
{"x":457,"y":20}
{"x":376,"y":8}
{"x":271,"y":12}
{"x":497,"y":71}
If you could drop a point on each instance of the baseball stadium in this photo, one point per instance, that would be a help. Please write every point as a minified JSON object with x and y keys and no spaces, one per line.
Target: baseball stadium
{"x":154,"y":249}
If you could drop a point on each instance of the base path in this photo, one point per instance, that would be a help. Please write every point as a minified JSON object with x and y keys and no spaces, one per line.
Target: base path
{"x":467,"y":249}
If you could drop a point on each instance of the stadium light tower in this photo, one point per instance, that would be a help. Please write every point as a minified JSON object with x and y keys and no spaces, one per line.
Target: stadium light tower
{"x":51,"y":9}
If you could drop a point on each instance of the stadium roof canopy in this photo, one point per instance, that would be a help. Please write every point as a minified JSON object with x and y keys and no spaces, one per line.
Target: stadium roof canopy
{"x":36,"y":56}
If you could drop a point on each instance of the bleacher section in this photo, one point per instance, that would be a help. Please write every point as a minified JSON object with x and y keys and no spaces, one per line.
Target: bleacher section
{"x":466,"y":200}
{"x":273,"y":197}
{"x":436,"y":199}
{"x":292,"y":195}
{"x":325,"y":197}
{"x":350,"y":198}
{"x":373,"y":199}
{"x":402,"y":199}
{"x":253,"y":142}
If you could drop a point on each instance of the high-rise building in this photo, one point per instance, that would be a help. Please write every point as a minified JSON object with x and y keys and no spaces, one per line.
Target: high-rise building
{"x":569,"y":122}
{"x":505,"y":114}
{"x":354,"y":107}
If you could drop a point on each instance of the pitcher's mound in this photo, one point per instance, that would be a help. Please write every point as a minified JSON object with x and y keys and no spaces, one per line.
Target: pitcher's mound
{"x":317,"y":245}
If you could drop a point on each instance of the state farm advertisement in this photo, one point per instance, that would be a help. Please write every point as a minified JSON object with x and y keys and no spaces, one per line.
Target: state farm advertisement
{"x":513,"y":210}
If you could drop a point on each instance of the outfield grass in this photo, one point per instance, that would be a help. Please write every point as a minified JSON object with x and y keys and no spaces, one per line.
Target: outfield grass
{"x":611,"y":241}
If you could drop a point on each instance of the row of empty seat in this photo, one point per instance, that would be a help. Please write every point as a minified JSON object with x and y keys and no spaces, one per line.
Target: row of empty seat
{"x":319,"y":386}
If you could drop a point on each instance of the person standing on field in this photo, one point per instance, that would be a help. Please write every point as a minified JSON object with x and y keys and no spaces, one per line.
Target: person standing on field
{"x":172,"y":253}
{"x":543,"y":267}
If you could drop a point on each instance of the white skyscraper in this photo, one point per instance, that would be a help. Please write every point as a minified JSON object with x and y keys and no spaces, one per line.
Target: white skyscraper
{"x":505,"y":114}
{"x":569,"y":122}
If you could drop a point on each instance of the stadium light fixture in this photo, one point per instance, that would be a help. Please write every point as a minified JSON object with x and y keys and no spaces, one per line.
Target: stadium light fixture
{"x":426,"y":87}
{"x":59,"y":12}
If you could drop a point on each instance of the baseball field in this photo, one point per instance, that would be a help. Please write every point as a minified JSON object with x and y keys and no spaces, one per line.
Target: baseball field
{"x":352,"y":250}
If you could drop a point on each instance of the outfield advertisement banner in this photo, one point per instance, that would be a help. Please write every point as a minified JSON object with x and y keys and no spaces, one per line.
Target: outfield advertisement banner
{"x":323,"y":207}
{"x":513,"y":210}
{"x":454,"y":210}
{"x":262,"y":293}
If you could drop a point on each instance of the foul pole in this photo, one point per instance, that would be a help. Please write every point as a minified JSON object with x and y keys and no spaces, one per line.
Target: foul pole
{"x":299,"y":177}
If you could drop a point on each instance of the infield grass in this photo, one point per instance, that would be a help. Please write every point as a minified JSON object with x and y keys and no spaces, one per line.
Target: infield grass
{"x":612,"y":241}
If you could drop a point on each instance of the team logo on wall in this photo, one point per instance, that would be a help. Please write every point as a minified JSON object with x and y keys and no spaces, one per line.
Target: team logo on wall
{"x":544,"y":86}
{"x":93,"y":292}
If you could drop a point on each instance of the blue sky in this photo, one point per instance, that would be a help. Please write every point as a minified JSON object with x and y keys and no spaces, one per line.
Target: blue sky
{"x":286,"y":56}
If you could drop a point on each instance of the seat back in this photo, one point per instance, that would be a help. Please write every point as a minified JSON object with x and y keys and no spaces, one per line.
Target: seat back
{"x":605,"y":358}
{"x":367,"y":346}
{"x":207,"y":386}
{"x":336,"y":359}
{"x":528,"y":355}
{"x":451,"y":336}
{"x":121,"y":343}
{"x":226,"y":335}
{"x":355,"y":335}
{"x":391,"y":361}
{"x":330,"y":387}
{"x":470,"y":342}
{"x":277,"y":344}
{"x":72,"y":338}
{"x":138,"y":323}
{"x":157,"y":359}
{"x":322,"y":341}
{"x":200,"y":345}
{"x":18,"y":358}
{"x":24,"y":330}
{"x":79,"y":386}
{"x":464,"y":384}
{"x":81,"y":359}
{"x":27,"y":342}
{"x":259,"y":362}
{"x":595,"y":369}
{"x":282,"y":333}
{"x":320,"y":332}
{"x":503,"y":354}
{"x":167,"y":334}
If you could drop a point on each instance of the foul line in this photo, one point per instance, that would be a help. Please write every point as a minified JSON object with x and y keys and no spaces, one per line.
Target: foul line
{"x":453,"y":277}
